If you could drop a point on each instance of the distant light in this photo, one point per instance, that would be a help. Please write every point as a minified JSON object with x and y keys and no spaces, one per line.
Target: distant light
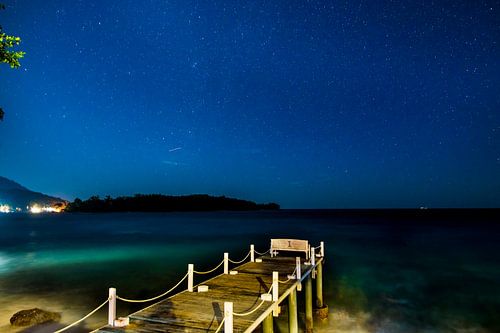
{"x":35,"y":209}
{"x":5,"y":209}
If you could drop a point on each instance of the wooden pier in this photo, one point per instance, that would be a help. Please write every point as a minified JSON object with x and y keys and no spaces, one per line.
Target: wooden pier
{"x":239,"y":300}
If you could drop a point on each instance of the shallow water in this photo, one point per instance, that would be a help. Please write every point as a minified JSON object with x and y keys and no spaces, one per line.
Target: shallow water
{"x":381,"y":275}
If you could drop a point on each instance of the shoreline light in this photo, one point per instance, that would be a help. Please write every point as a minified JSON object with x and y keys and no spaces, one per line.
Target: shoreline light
{"x":37,"y":209}
{"x":5,"y":209}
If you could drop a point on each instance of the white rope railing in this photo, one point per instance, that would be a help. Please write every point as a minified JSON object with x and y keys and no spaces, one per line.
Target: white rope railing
{"x":210,"y":271}
{"x":152,"y":298}
{"x":287,"y":280}
{"x":242,"y":260}
{"x":113,"y":297}
{"x":263,"y":253}
{"x":220,"y":325}
{"x":80,"y":320}
{"x":249,"y":312}
{"x":254,"y":309}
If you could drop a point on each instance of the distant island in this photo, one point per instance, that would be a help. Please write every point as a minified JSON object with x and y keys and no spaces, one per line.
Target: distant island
{"x":165,"y":203}
{"x":17,"y":198}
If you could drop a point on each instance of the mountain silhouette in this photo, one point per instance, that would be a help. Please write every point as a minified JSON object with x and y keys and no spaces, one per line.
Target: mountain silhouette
{"x":16,"y":195}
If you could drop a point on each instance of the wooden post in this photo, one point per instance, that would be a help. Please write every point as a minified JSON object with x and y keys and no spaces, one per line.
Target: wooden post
{"x":252,"y":253}
{"x":319,"y":285}
{"x":313,"y":261}
{"x":190,"y":277}
{"x":275,"y":293}
{"x":309,"y":305}
{"x":322,"y":253}
{"x":112,"y":307}
{"x":267,"y":324}
{"x":228,"y":317}
{"x":298,"y":273}
{"x":293,"y":323}
{"x":226,"y":263}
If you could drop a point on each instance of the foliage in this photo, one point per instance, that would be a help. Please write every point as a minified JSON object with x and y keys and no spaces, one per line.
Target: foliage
{"x":6,"y":43}
{"x":7,"y":55}
{"x":164,"y":203}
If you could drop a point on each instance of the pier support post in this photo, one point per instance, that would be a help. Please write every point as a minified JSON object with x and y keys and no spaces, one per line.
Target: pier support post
{"x":267,"y":324}
{"x":321,"y":308}
{"x":293,"y":323}
{"x":228,"y":317}
{"x":309,"y":305}
{"x":275,"y":294}
{"x":322,"y":251}
{"x":319,"y":285}
{"x":112,"y":307}
{"x":252,"y":253}
{"x":190,"y":277}
{"x":226,"y":263}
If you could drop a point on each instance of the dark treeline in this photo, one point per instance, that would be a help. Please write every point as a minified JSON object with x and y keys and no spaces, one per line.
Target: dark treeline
{"x":164,"y":203}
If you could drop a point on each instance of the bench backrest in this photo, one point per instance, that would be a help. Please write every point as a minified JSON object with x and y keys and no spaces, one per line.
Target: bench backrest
{"x":290,"y":245}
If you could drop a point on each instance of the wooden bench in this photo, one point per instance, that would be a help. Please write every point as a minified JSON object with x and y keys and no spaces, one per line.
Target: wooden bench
{"x":297,"y":245}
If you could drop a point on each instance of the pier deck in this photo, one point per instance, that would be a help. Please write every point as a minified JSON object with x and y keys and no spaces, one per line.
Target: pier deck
{"x":198,"y":312}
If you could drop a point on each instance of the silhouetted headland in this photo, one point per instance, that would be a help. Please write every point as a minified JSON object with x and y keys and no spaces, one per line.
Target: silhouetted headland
{"x":165,"y":203}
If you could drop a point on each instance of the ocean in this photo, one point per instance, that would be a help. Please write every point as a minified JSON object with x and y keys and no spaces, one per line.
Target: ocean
{"x":385,"y":271}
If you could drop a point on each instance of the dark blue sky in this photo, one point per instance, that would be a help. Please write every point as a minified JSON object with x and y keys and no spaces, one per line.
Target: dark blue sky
{"x":305,"y":103}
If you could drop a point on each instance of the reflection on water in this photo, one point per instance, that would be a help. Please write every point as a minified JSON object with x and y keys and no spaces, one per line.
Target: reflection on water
{"x":396,"y":276}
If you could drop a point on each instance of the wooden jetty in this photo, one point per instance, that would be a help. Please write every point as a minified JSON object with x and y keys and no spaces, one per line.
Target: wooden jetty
{"x":239,"y":300}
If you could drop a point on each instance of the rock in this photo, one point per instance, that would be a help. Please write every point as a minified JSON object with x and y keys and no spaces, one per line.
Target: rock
{"x":33,"y":317}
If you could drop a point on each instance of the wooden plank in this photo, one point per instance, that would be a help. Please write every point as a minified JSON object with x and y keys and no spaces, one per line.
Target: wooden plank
{"x":203,"y":312}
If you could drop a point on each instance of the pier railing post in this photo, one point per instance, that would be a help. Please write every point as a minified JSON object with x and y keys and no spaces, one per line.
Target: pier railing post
{"x":322,"y":252}
{"x":228,"y":317}
{"x":252,"y":253}
{"x":313,"y":256}
{"x":226,"y":263}
{"x":313,"y":262}
{"x":112,"y":307}
{"x":275,"y":293}
{"x":298,"y":273}
{"x":190,"y":277}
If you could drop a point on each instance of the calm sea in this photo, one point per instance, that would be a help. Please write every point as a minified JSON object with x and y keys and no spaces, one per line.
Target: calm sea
{"x":384,"y":272}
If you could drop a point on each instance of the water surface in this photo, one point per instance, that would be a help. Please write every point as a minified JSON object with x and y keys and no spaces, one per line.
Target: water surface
{"x":393,"y":273}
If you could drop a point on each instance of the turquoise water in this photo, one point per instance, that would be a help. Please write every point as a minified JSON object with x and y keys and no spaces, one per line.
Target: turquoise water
{"x":382,"y":274}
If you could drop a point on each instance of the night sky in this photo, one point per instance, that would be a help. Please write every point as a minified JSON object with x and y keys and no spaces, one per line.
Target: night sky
{"x":311,"y":104}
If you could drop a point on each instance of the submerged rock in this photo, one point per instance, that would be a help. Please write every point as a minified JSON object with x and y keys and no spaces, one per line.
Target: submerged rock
{"x":33,"y":317}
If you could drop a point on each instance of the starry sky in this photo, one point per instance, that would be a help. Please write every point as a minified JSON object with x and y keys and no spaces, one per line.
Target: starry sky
{"x":311,"y":104}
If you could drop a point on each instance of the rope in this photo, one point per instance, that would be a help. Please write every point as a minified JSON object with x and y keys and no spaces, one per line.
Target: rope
{"x":210,"y":271}
{"x":220,"y":325}
{"x":80,"y":320}
{"x":242,"y":260}
{"x":293,"y":273}
{"x":153,"y":298}
{"x":249,"y":312}
{"x":263,"y":253}
{"x":252,"y":311}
